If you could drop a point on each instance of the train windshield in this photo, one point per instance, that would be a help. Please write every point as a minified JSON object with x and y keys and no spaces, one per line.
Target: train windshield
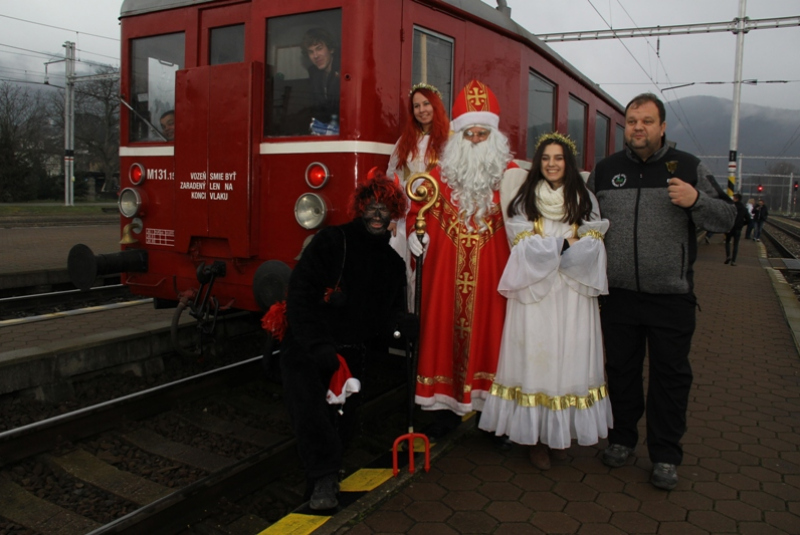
{"x":154,"y":62}
{"x":303,"y":74}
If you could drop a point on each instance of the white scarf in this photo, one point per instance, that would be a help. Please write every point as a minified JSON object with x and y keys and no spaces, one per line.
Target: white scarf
{"x":550,"y":202}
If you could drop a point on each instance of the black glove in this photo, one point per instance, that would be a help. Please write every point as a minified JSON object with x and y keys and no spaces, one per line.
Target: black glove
{"x":408,"y":325}
{"x":324,"y":356}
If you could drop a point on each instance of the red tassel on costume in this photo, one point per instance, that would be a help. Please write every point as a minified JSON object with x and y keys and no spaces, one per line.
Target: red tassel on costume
{"x":274,"y":321}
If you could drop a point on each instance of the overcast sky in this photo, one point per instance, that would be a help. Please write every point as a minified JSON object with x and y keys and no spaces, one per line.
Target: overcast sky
{"x":768,"y":54}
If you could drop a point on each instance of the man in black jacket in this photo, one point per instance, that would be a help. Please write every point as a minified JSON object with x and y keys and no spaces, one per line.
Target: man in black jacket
{"x":347,"y":289}
{"x":654,"y":197}
{"x":742,"y":219}
{"x":760,"y":214}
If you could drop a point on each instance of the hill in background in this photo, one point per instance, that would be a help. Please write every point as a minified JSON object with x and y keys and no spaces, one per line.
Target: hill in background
{"x":763,"y":131}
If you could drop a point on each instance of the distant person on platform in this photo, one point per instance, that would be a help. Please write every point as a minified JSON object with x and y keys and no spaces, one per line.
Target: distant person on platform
{"x":760,"y":214}
{"x":654,"y":197}
{"x":167,"y":121}
{"x":347,"y":289}
{"x":462,"y":312}
{"x":751,"y":207}
{"x":742,"y":219}
{"x":324,"y":78}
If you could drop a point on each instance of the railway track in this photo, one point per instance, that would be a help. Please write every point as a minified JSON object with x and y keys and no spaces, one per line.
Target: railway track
{"x":49,"y":302}
{"x":784,"y":236}
{"x":169,"y":457}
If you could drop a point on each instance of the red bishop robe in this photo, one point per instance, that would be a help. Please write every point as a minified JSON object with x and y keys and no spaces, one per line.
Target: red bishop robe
{"x":462,"y":311}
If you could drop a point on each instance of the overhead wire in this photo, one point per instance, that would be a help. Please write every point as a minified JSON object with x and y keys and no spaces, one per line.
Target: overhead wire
{"x":686,"y":125}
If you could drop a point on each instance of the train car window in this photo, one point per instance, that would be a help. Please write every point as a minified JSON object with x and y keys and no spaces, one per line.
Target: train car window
{"x":601,"y":137}
{"x":433,"y":63}
{"x":619,"y":138}
{"x":576,"y":127}
{"x":226,"y":45}
{"x":154,"y":62}
{"x":303,"y":74}
{"x":541,"y":110}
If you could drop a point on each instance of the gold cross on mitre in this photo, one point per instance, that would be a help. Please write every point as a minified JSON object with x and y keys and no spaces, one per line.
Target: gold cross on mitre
{"x":476,"y":96}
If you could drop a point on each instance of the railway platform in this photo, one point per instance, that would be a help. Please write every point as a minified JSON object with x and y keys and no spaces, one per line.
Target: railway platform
{"x":741,"y":472}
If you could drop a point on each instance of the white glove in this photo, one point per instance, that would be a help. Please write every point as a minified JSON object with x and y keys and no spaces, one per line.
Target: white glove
{"x":415,"y":246}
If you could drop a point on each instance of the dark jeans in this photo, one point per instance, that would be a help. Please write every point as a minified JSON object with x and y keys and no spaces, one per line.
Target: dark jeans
{"x":750,"y":225}
{"x":660,"y":325}
{"x":734,"y":234}
{"x":757,"y":229}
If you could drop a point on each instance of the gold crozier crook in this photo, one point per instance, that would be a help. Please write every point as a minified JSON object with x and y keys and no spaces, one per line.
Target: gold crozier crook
{"x":422,"y":194}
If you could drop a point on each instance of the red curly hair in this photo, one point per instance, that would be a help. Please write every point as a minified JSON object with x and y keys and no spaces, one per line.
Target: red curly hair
{"x":440,"y":129}
{"x":378,"y":188}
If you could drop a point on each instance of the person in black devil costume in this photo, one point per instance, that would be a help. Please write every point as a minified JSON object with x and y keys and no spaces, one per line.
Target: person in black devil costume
{"x":348,"y":288}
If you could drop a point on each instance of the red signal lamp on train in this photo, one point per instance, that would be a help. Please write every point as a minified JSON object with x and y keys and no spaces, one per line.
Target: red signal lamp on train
{"x":317,"y":175}
{"x":136,"y":174}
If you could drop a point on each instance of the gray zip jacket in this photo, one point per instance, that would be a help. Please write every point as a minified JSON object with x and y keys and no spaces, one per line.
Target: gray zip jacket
{"x":651,"y":243}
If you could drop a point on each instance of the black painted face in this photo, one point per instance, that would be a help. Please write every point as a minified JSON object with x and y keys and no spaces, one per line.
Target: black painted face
{"x":376,"y":218}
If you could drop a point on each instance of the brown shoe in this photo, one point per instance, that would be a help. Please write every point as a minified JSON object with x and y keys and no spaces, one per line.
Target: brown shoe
{"x":540,"y":456}
{"x":558,"y":455}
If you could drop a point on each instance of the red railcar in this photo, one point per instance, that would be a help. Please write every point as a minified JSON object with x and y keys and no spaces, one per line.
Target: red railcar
{"x":254,"y":166}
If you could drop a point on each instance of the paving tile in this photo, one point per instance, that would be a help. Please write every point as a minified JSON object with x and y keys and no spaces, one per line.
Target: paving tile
{"x":433,"y":528}
{"x":459,"y":482}
{"x":428,"y":511}
{"x":492,"y":473}
{"x":543,"y":501}
{"x":761,"y":474}
{"x":533,"y":482}
{"x":423,"y":491}
{"x":664,"y":511}
{"x":518,"y":528}
{"x":788,"y":522}
{"x":712,"y":521}
{"x":500,"y":491}
{"x":737,"y":510}
{"x":512,"y":511}
{"x":762,"y":500}
{"x":758,"y":528}
{"x":783,"y":491}
{"x":690,"y":500}
{"x":389,"y":521}
{"x":575,"y":492}
{"x":472,"y":522}
{"x":465,"y":500}
{"x":599,"y":529}
{"x":616,"y":502}
{"x":739,"y":482}
{"x":633,"y":522}
{"x":680,"y":528}
{"x":555,"y":523}
{"x":604,"y":482}
{"x":587,"y":512}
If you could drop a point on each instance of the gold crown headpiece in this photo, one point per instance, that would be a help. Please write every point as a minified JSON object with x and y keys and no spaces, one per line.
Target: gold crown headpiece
{"x":561,"y":138}
{"x":423,"y":85}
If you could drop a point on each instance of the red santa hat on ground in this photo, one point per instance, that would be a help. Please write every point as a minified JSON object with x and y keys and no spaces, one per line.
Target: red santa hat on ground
{"x":476,"y":104}
{"x":342,"y":384}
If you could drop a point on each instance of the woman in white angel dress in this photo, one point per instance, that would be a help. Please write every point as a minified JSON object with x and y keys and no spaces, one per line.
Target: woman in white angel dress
{"x":422,"y":141}
{"x":549,"y":387}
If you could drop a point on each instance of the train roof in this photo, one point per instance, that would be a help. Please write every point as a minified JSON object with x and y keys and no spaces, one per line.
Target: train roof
{"x":475,"y":8}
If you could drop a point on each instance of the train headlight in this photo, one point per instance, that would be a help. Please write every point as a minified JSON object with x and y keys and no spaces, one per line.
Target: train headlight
{"x":317,"y":175}
{"x":310,"y":210}
{"x":136,"y":174}
{"x":130,"y":202}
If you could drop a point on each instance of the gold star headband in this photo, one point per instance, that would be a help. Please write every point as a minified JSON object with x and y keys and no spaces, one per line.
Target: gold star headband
{"x":561,"y":138}
{"x":423,"y":85}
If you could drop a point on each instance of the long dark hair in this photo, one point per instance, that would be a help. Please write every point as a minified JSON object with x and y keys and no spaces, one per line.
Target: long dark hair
{"x":577,"y":203}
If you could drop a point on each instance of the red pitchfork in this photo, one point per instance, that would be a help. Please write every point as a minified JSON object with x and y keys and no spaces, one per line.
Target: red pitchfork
{"x":428,"y":196}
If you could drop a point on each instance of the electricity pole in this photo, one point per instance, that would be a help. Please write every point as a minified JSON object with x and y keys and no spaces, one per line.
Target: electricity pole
{"x":69,"y":125}
{"x":737,"y":97}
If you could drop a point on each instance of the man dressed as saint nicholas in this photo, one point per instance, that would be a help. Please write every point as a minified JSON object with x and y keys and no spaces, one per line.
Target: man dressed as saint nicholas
{"x":465,"y":253}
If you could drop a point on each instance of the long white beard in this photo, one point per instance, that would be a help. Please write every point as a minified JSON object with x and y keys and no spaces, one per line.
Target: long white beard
{"x":473,"y":172}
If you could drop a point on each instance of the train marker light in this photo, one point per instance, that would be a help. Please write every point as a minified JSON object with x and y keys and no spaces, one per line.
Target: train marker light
{"x":310,"y":211}
{"x":136,"y":174}
{"x":317,"y":175}
{"x":760,"y":188}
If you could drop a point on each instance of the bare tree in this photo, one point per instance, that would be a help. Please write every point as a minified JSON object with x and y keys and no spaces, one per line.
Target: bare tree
{"x":23,"y":134}
{"x":96,"y":127}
